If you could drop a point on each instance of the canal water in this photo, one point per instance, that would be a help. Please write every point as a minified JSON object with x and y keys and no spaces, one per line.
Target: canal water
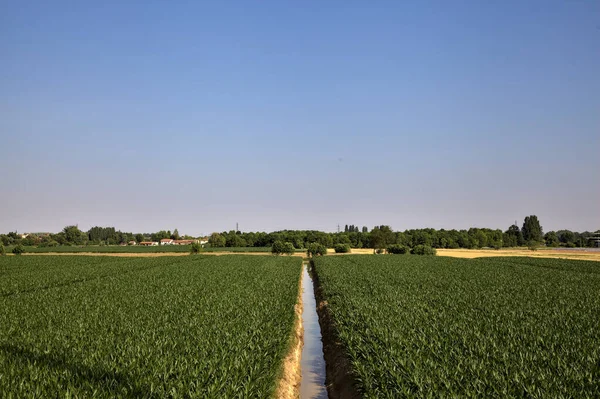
{"x":312,"y":363}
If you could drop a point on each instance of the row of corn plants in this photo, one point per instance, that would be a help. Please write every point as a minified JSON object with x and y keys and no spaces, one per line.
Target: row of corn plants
{"x":445,"y":327}
{"x":169,"y":327}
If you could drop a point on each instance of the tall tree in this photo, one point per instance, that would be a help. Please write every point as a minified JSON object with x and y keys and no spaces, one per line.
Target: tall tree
{"x":216,"y":240}
{"x":532,"y":230}
{"x":73,"y":234}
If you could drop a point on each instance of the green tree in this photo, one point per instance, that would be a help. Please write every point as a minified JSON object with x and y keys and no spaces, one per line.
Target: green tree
{"x":280,"y":247}
{"x":513,"y":237}
{"x":551,"y":239}
{"x":18,"y":250}
{"x":2,"y":250}
{"x":216,"y":240}
{"x":316,"y":249}
{"x":382,"y":236}
{"x":139,"y":238}
{"x":398,"y":249}
{"x":73,"y":235}
{"x":196,"y":248}
{"x":342,"y":248}
{"x":175,"y":235}
{"x":423,"y":250}
{"x":532,"y":230}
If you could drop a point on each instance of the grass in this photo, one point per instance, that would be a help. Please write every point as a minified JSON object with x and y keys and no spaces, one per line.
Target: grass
{"x":494,"y":327}
{"x":176,"y":327}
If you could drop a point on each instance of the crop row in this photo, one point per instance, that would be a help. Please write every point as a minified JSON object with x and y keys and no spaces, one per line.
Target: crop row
{"x":444,"y":327}
{"x":190,"y":327}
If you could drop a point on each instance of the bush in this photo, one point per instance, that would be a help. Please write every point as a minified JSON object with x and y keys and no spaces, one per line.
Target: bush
{"x":316,"y":249}
{"x":533,"y":245}
{"x":196,"y":248}
{"x":342,"y":248}
{"x":397,"y":249}
{"x":18,"y":250}
{"x":379,"y":251}
{"x":280,"y":247}
{"x":423,"y":250}
{"x":2,"y":250}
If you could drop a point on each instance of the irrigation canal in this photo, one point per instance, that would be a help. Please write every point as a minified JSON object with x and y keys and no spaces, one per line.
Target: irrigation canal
{"x":312,"y":364}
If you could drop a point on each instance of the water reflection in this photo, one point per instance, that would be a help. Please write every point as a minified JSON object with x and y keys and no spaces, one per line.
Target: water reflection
{"x":313,"y":364}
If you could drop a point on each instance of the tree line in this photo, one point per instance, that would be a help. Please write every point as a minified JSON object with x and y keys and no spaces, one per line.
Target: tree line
{"x":72,"y":235}
{"x":530,"y":233}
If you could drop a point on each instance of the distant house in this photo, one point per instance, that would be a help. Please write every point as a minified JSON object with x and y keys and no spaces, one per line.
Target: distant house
{"x":132,"y":243}
{"x":166,"y":241}
{"x":184,"y":242}
{"x":149,"y":243}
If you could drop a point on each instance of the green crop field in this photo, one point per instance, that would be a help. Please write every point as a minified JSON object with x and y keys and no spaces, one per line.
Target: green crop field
{"x":133,"y":249}
{"x":441,"y":327}
{"x":193,"y":326}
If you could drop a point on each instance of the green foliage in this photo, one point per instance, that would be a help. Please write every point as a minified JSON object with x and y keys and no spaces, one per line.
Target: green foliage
{"x":533,"y":245}
{"x":485,"y":328}
{"x":2,"y":250}
{"x":216,"y":240}
{"x":196,"y":248}
{"x":74,"y":236}
{"x":532,"y":231}
{"x":551,"y":239}
{"x":423,"y":250}
{"x":342,"y":248}
{"x":280,"y":248}
{"x":18,"y":249}
{"x":397,"y":249}
{"x":165,"y":327}
{"x":316,"y":249}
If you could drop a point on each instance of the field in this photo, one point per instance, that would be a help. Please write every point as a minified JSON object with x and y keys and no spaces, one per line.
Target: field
{"x":194,"y":326}
{"x":134,"y":249}
{"x":408,"y":326}
{"x":556,"y":253}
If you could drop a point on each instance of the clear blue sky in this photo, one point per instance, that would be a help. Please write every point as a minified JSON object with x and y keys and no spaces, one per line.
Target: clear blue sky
{"x":197,"y":115}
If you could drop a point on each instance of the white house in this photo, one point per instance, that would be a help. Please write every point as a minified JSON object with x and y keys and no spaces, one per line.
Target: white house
{"x":166,"y":241}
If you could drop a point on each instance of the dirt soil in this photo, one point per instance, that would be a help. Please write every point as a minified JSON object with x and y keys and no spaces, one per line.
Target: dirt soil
{"x":542,"y":253}
{"x":291,"y":376}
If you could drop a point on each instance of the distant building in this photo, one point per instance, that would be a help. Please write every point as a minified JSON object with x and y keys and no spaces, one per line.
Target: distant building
{"x":166,"y":241}
{"x":132,"y":243}
{"x":184,"y":242}
{"x":149,"y":243}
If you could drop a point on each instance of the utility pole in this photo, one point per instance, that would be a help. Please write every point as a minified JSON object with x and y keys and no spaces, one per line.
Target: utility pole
{"x":338,"y":227}
{"x":237,"y":227}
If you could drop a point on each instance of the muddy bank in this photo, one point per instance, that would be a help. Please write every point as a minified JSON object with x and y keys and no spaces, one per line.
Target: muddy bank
{"x":288,"y":386}
{"x":339,"y":379}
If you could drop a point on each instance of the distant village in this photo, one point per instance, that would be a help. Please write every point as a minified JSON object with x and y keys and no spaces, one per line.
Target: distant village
{"x":170,"y":241}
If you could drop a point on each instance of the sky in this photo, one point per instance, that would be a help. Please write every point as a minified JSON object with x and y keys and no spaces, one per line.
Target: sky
{"x":197,"y":115}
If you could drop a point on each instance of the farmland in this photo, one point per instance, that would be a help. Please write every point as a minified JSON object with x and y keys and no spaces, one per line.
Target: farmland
{"x":105,"y":327}
{"x":134,"y":249}
{"x":407,"y":326}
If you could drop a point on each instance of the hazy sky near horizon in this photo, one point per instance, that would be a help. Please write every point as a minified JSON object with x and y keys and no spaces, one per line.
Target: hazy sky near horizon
{"x":302,"y":115}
